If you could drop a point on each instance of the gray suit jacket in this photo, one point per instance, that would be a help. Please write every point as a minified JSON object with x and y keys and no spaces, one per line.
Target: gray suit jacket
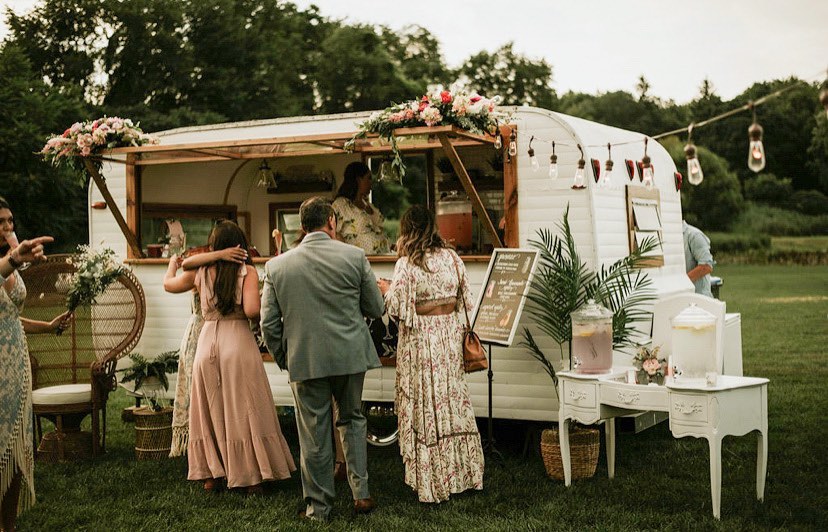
{"x":313,"y":303}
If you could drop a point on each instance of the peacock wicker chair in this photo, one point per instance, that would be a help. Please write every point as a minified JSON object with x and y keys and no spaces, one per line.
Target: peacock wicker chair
{"x":73,"y":373}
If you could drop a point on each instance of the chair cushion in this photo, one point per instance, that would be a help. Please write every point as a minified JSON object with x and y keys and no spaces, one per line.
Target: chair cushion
{"x":65,"y":394}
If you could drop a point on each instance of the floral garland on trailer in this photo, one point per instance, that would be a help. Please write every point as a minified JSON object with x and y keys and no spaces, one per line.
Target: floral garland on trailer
{"x":90,"y":138}
{"x":461,"y":108}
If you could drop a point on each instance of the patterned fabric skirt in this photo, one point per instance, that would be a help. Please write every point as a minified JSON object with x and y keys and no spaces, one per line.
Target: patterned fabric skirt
{"x":16,"y":449}
{"x":181,"y":407}
{"x":439,"y":441}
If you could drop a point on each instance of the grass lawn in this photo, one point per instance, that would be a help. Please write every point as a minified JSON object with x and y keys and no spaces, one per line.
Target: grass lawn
{"x":799,"y":243}
{"x":661,"y":482}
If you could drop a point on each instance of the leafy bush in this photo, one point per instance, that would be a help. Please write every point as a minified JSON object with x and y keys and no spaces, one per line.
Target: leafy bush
{"x":767,"y":188}
{"x":810,"y":202}
{"x":737,"y":242}
{"x":764,"y":219}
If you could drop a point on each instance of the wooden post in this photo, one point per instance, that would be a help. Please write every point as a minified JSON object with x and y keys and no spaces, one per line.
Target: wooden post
{"x":477,"y":203}
{"x":99,"y":180}
{"x":510,"y":194}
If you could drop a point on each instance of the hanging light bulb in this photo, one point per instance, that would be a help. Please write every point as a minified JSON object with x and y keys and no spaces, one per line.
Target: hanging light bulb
{"x":498,"y":141}
{"x":580,"y":174}
{"x":513,"y":143}
{"x":647,"y":175}
{"x":532,"y":159}
{"x":265,"y":177}
{"x":605,"y":181}
{"x":756,"y":151}
{"x":553,"y":163}
{"x":694,"y":169}
{"x":389,"y":172}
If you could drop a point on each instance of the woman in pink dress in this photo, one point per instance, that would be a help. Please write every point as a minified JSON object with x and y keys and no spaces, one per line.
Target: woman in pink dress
{"x":234,"y":431}
{"x":439,"y":441}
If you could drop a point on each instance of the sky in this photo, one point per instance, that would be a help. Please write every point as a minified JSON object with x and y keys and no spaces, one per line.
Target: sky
{"x":605,"y":45}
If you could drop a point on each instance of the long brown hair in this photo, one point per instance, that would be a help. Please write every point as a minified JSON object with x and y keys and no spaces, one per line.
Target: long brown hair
{"x":226,"y":234}
{"x":419,"y":235}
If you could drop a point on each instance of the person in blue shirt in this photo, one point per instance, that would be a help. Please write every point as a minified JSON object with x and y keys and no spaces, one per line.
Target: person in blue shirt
{"x":697,"y":258}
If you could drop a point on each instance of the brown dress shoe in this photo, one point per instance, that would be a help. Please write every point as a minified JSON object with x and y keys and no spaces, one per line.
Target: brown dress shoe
{"x":340,"y":472}
{"x":364,"y":506}
{"x":211,"y":484}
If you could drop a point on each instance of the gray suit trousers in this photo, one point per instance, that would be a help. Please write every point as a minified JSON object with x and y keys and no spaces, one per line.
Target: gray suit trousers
{"x":313,"y":421}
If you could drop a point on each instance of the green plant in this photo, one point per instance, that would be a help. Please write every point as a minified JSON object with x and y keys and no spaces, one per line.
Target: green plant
{"x":564,"y":282}
{"x":143,"y":369}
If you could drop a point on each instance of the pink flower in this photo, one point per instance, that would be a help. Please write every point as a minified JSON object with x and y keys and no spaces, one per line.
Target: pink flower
{"x":445,"y":97}
{"x":475,"y":99}
{"x":651,"y":366}
{"x":431,"y":116}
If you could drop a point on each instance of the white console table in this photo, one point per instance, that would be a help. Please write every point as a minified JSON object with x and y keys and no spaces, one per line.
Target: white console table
{"x":734,"y":407}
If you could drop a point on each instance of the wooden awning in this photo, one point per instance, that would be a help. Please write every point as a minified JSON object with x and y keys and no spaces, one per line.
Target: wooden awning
{"x":408,"y":139}
{"x":446,"y":138}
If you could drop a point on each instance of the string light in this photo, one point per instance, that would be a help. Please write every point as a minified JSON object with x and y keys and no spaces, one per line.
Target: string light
{"x":498,"y":141}
{"x":647,"y":174}
{"x":756,"y":151}
{"x":580,"y":175}
{"x":694,"y":170}
{"x":513,"y":143}
{"x":532,"y":159}
{"x":606,"y":180}
{"x":553,"y":163}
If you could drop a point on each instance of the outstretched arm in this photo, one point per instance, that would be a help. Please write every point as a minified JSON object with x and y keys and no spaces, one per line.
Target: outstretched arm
{"x":176,"y":284}
{"x":234,"y":254}
{"x":59,"y":323}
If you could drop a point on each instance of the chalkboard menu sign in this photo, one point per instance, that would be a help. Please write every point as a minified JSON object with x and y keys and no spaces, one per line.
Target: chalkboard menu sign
{"x":507,"y":281}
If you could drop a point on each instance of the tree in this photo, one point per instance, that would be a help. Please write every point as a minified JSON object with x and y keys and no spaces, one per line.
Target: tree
{"x":513,"y":76}
{"x":44,"y":199}
{"x":416,"y":53}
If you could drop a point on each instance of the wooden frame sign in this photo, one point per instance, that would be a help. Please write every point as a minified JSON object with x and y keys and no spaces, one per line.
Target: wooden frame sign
{"x":507,"y":282}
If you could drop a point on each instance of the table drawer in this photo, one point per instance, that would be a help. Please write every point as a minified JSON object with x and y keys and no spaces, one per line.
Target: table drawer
{"x":688,"y":407}
{"x":580,"y":394}
{"x":634,"y":396}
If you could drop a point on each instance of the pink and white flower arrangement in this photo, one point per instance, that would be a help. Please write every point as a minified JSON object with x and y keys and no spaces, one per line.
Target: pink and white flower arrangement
{"x":650,"y":368}
{"x":84,"y":139}
{"x":455,"y":107}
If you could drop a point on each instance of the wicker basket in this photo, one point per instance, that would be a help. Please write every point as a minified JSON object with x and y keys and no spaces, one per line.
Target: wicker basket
{"x":153,"y":433}
{"x":584,"y":444}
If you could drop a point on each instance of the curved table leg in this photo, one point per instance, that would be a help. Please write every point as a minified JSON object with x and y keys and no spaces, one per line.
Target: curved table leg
{"x":563,"y":435}
{"x":761,"y":464}
{"x":610,"y":436}
{"x":715,"y":443}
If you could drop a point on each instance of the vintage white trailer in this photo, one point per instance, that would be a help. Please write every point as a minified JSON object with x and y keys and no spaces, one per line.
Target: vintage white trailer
{"x":211,"y":171}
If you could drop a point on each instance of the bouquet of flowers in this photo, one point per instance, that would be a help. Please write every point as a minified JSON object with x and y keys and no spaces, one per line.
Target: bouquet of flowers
{"x":95,"y":270}
{"x":92,"y":137}
{"x":650,"y":367}
{"x":461,"y":108}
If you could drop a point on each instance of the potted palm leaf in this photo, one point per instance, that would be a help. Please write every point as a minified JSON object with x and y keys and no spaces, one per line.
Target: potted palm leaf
{"x":562,"y":284}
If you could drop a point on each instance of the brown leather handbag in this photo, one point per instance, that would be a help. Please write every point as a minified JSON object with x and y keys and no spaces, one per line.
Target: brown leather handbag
{"x":474,"y":359}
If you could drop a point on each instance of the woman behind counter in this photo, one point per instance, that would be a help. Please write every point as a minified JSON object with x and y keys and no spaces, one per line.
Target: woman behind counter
{"x":357,"y":221}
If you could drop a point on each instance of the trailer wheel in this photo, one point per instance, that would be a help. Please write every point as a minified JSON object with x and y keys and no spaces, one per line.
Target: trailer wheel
{"x":381,"y":420}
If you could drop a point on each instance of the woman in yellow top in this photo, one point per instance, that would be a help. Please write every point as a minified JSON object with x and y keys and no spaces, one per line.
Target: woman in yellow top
{"x":357,"y":221}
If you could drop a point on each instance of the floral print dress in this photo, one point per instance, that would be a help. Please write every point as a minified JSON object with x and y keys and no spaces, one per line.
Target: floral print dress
{"x":356,"y":227}
{"x":439,"y":441}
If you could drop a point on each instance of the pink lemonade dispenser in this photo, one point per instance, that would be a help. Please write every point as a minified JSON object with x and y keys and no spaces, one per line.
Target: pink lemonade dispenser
{"x":592,"y":338}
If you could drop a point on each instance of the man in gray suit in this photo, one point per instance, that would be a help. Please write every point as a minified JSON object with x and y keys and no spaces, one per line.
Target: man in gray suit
{"x":313,"y":303}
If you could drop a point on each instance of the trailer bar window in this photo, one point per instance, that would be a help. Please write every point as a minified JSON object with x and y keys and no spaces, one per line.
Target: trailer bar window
{"x":644,"y":221}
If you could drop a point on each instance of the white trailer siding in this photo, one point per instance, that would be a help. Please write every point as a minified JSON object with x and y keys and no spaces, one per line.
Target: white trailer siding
{"x":522,"y":390}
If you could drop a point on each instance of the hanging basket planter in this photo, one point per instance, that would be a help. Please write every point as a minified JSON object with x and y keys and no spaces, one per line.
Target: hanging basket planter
{"x":584,"y":444}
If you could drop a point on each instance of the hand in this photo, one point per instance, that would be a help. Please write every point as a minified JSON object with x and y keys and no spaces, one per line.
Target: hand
{"x":234,"y":254}
{"x":175,"y":262}
{"x":31,"y":250}
{"x":61,"y":323}
{"x":384,"y":285}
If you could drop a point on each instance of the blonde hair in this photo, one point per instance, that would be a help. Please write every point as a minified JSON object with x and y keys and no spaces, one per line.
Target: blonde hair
{"x":418,"y":236}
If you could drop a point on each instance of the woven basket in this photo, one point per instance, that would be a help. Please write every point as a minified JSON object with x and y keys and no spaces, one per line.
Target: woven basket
{"x":153,"y":433}
{"x":584,"y":444}
{"x":77,"y":445}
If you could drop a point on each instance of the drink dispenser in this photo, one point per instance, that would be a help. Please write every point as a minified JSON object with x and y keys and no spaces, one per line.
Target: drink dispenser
{"x":694,"y":344}
{"x":592,"y":338}
{"x":454,"y":220}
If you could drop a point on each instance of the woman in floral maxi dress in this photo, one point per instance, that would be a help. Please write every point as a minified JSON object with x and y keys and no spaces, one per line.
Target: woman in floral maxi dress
{"x":439,"y":441}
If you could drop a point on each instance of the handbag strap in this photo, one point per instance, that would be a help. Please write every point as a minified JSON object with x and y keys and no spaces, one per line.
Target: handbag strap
{"x":460,"y":279}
